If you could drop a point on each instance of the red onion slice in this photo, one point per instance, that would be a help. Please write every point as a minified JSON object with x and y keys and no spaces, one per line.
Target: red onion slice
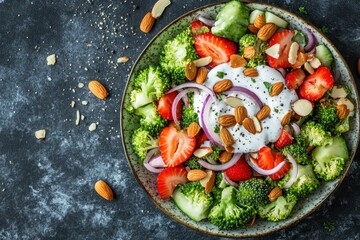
{"x":263,"y":171}
{"x":221,"y":167}
{"x":157,"y":162}
{"x":282,"y":71}
{"x":146,"y":162}
{"x":246,"y":92}
{"x":193,"y":85}
{"x":311,"y":40}
{"x":294,"y":171}
{"x":296,"y":128}
{"x":228,"y":181}
{"x":207,"y":127}
{"x":176,"y":101}
{"x":208,"y":22}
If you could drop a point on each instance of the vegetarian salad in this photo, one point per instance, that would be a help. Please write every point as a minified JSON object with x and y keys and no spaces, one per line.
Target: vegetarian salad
{"x":240,"y":118}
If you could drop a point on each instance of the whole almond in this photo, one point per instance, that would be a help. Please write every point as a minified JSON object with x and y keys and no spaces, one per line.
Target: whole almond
{"x":227,"y":120}
{"x":286,"y":118}
{"x":263,"y":113}
{"x":147,"y":23}
{"x":274,"y":194}
{"x":257,"y":124}
{"x":226,"y":137}
{"x":248,"y":124}
{"x":190,"y":71}
{"x":240,"y":114}
{"x":250,"y":72}
{"x":103,"y":189}
{"x":201,"y":75}
{"x":342,"y":111}
{"x":267,"y":31}
{"x":259,"y":21}
{"x":225,"y":156}
{"x":222,"y":86}
{"x":237,"y":61}
{"x":203,"y":152}
{"x":253,"y":29}
{"x":276,"y":89}
{"x":249,"y":52}
{"x":196,"y":175}
{"x":193,"y":129}
{"x":98,"y":89}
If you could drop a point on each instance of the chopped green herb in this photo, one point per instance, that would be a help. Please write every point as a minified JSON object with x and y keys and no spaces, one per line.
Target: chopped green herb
{"x":268,"y":86}
{"x":253,"y":80}
{"x":219,"y":97}
{"x":329,"y":226}
{"x":276,"y":110}
{"x":324,"y":29}
{"x":220,"y":74}
{"x":303,"y":10}
{"x":217,"y":129}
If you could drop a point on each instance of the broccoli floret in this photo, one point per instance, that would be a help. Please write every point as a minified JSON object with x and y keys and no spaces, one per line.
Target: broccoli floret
{"x":279,"y":209}
{"x":176,"y":54}
{"x":342,"y":126}
{"x":193,"y":201}
{"x":214,"y":156}
{"x":219,"y":185}
{"x":260,"y":46}
{"x":326,"y":115}
{"x":151,"y":119}
{"x":193,"y":163}
{"x":298,"y":150}
{"x":305,"y":182}
{"x":227,"y":214}
{"x":315,"y":134}
{"x":188,"y":114}
{"x":142,"y":142}
{"x":247,"y":40}
{"x":150,"y":84}
{"x":253,"y":192}
{"x":233,"y":27}
{"x":329,"y":161}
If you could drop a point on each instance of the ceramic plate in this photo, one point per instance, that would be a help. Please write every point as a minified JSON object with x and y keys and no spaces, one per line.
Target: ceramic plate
{"x":147,"y":180}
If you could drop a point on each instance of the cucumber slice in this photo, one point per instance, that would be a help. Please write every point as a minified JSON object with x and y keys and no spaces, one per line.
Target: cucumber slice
{"x":324,"y":55}
{"x":300,"y":38}
{"x":253,"y":15}
{"x":272,"y":18}
{"x":193,"y":210}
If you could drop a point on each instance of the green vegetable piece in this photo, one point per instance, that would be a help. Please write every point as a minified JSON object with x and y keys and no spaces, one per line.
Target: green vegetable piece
{"x":278,"y":210}
{"x":142,"y":142}
{"x":325,"y":56}
{"x":253,"y":192}
{"x":150,"y":119}
{"x":315,"y":134}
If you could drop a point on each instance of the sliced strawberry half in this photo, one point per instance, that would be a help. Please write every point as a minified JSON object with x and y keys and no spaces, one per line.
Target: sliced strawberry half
{"x":220,"y":49}
{"x":315,"y":85}
{"x":279,"y":158}
{"x":200,"y":139}
{"x":284,"y":38}
{"x":198,"y":27}
{"x":165,"y":105}
{"x":175,"y":146}
{"x":284,"y":139}
{"x":265,"y":158}
{"x":168,"y":179}
{"x":240,"y":171}
{"x":295,"y":78}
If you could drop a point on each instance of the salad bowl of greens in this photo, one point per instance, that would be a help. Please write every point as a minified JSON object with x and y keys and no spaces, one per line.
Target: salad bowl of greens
{"x":239,"y":119}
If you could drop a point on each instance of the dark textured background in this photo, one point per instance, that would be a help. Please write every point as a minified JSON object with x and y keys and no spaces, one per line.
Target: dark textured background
{"x":46,"y":187}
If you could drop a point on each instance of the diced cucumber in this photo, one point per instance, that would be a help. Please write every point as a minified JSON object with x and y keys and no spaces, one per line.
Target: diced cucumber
{"x":189,"y":207}
{"x":324,"y":55}
{"x":300,"y":38}
{"x":253,"y":15}
{"x":272,"y":18}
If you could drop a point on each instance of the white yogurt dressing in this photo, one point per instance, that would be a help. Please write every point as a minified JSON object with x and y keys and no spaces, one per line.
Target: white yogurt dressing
{"x":245,"y":141}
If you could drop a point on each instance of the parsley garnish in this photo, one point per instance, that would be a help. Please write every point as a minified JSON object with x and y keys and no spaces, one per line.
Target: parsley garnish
{"x":268,"y":86}
{"x":303,"y":10}
{"x":329,"y":226}
{"x":276,"y":110}
{"x":217,"y":129}
{"x":220,"y":74}
{"x":253,"y":80}
{"x":219,"y":97}
{"x":324,"y":29}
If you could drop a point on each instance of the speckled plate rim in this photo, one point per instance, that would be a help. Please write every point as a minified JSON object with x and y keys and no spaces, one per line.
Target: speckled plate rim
{"x":281,"y":226}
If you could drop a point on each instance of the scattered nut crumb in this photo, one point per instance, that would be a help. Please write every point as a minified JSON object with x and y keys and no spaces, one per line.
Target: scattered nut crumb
{"x":72,"y":104}
{"x":92,"y":127}
{"x":123,"y":59}
{"x":40,"y":134}
{"x":85,"y":102}
{"x":82,"y":117}
{"x":81,"y":85}
{"x":51,"y":59}
{"x":77,"y":121}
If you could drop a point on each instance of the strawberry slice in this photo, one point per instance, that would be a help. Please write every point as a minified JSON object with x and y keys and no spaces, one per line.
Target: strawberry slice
{"x":165,"y":105}
{"x":240,"y":171}
{"x":175,"y":146}
{"x":295,"y":78}
{"x":284,"y":170}
{"x":220,"y":49}
{"x":198,"y":27}
{"x":284,"y":139}
{"x":200,"y":139}
{"x":168,"y":179}
{"x":265,"y":158}
{"x":316,"y":84}
{"x":284,"y":39}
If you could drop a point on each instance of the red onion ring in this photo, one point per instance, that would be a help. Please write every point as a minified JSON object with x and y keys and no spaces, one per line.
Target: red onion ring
{"x":213,"y":137}
{"x":176,"y":101}
{"x":228,"y":181}
{"x":246,"y":92}
{"x":311,"y":40}
{"x":185,"y":99}
{"x":296,"y":128}
{"x":193,"y":85}
{"x":263,"y":171}
{"x":146,"y":162}
{"x":157,"y":162}
{"x":294,"y":171}
{"x":282,"y":71}
{"x":208,"y":22}
{"x":221,"y":167}
{"x":312,"y":51}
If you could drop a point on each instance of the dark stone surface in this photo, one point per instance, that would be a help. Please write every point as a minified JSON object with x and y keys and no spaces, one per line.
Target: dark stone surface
{"x":46,"y":187}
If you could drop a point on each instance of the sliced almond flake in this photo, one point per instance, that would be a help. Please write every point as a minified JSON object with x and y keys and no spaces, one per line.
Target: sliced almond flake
{"x":92,"y":127}
{"x":81,"y":85}
{"x":159,"y":8}
{"x":77,"y":121}
{"x":72,"y":104}
{"x":82,"y":117}
{"x":123,"y":59}
{"x":202,"y":62}
{"x":85,"y":102}
{"x":40,"y":134}
{"x":51,"y":59}
{"x":273,"y":51}
{"x":293,"y":52}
